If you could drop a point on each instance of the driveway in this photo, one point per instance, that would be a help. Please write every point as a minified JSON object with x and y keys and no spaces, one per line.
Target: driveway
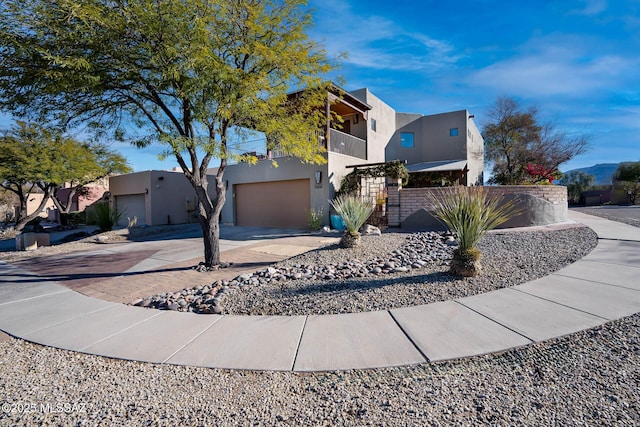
{"x":626,"y":214}
{"x":130,"y":270}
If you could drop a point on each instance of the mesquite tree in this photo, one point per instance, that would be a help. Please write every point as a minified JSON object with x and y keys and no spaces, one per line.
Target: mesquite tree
{"x":182,"y":73}
{"x":33,"y":157}
{"x":523,"y":150}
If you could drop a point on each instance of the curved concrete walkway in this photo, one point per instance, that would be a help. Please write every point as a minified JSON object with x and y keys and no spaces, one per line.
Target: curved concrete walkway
{"x":603,"y":286}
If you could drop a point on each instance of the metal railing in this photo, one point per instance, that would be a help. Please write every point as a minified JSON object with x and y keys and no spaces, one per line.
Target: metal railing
{"x":349,"y":145}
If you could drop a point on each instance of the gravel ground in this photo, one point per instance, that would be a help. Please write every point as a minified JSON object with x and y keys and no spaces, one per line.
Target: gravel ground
{"x":509,"y":258}
{"x":588,"y":378}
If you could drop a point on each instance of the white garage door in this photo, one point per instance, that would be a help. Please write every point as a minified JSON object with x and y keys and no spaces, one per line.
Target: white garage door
{"x":283,"y":204}
{"x":131,"y":205}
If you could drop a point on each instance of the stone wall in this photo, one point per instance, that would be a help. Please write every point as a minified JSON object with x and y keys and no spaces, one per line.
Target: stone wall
{"x":540,"y":204}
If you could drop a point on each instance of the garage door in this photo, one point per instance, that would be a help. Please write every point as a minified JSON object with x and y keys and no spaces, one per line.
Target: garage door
{"x":282,"y":204}
{"x":131,"y":205}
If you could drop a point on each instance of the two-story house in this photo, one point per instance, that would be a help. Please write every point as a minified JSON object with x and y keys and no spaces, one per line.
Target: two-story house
{"x":265,"y":195}
{"x":371,"y":132}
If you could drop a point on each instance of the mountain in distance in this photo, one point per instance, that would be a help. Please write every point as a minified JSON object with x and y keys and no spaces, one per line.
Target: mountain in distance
{"x":602,"y":171}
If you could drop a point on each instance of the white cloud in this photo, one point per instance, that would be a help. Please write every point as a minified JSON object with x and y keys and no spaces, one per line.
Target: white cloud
{"x":377,"y":43}
{"x":591,"y":7}
{"x":558,"y":66}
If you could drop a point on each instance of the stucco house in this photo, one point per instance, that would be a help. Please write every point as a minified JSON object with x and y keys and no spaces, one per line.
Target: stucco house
{"x":372,"y":132}
{"x":265,"y":195}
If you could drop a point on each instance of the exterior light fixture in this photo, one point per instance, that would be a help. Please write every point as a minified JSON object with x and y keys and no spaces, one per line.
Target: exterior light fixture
{"x":318,"y":177}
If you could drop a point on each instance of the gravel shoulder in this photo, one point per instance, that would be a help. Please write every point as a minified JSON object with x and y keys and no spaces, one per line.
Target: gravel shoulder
{"x":587,"y":378}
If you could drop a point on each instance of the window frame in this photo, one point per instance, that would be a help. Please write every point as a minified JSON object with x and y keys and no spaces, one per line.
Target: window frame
{"x":413,"y":139}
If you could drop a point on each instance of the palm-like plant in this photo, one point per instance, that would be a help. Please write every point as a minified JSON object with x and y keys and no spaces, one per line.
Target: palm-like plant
{"x":354,"y":213}
{"x":469,"y":213}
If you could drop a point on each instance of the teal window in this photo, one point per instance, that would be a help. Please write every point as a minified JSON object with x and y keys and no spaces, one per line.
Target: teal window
{"x":373,"y":125}
{"x":453,"y":132}
{"x":406,"y":139}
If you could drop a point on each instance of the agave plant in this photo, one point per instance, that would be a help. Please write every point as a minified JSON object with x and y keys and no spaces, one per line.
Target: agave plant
{"x":103,"y":216}
{"x":469,"y":213}
{"x":354,"y":213}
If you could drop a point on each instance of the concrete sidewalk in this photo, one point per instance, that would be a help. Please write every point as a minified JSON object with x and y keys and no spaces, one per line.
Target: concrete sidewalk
{"x":601,"y":287}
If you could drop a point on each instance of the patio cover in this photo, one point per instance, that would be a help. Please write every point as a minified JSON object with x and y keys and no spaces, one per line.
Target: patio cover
{"x":440,"y":166}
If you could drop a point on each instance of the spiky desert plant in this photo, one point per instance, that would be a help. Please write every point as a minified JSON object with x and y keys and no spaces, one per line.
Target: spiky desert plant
{"x":314,"y":219}
{"x":469,"y":213}
{"x":103,"y":216}
{"x":354,"y":213}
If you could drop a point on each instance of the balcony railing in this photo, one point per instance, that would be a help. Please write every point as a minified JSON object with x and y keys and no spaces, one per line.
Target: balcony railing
{"x":339,"y":142}
{"x":349,"y":145}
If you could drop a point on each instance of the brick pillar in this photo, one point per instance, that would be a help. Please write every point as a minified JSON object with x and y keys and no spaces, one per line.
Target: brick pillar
{"x":393,"y":202}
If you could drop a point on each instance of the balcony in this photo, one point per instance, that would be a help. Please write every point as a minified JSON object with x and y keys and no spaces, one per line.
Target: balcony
{"x":349,"y":145}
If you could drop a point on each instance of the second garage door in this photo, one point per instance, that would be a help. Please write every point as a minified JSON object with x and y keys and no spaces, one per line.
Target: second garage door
{"x":282,"y":204}
{"x":131,"y":205}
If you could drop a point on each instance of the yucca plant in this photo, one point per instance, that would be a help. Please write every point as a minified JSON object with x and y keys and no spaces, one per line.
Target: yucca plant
{"x":103,"y":216}
{"x":469,"y":213}
{"x":354,"y":213}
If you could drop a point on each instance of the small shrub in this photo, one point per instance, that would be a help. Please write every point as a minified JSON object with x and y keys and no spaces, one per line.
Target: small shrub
{"x":314,"y":219}
{"x":73,"y":218}
{"x":354,"y":213}
{"x":8,"y":233}
{"x":469,"y":213}
{"x":131,"y":222}
{"x":103,"y":216}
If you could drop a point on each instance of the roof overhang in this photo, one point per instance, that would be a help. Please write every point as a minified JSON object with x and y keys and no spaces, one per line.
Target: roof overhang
{"x":440,"y":166}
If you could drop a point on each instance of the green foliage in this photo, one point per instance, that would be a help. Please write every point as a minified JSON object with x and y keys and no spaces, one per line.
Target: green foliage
{"x":431,"y":179}
{"x":577,"y":182}
{"x":183,"y":72}
{"x":351,"y":182}
{"x":515,"y":139}
{"x":73,"y":218}
{"x":35,"y":156}
{"x":628,"y":176}
{"x":103,"y":216}
{"x":354,"y":212}
{"x":469,"y":212}
{"x":314,"y":219}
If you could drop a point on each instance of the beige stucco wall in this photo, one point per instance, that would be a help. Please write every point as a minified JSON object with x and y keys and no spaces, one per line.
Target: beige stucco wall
{"x":165,"y":194}
{"x":264,"y":171}
{"x":385,"y":118}
{"x":432,"y":141}
{"x":34,"y":200}
{"x":475,"y":154}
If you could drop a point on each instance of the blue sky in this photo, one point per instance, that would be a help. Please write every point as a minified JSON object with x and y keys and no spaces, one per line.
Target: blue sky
{"x":577,"y":61}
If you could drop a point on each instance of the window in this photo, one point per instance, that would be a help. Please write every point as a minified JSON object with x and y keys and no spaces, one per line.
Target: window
{"x":453,"y":132}
{"x":406,"y":139}
{"x":373,"y":125}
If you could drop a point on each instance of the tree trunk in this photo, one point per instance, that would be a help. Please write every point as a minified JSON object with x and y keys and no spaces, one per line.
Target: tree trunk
{"x":211,"y":238}
{"x":466,"y":263}
{"x":23,"y":208}
{"x":209,"y":218}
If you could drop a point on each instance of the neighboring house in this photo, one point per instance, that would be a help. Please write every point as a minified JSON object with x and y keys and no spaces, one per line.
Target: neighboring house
{"x":91,"y":193}
{"x":154,"y":197}
{"x":265,"y":195}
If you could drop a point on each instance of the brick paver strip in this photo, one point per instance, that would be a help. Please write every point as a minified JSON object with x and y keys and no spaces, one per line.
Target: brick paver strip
{"x":78,"y":270}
